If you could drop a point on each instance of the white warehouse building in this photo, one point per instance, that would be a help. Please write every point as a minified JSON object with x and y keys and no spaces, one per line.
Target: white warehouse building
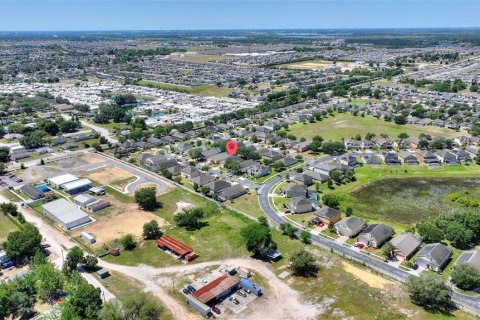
{"x":57,"y":181}
{"x":66,"y":214}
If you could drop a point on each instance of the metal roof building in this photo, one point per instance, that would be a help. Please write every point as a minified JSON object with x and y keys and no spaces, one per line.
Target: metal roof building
{"x":77,"y":186}
{"x":216,"y":289}
{"x":65,"y":213}
{"x":57,"y":181}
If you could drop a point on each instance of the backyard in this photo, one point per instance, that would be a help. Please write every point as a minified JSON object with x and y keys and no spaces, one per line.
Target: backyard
{"x":346,"y":126}
{"x":6,"y":226}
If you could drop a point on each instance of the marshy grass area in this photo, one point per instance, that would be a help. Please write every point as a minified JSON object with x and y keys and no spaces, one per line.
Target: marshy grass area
{"x":410,"y":200}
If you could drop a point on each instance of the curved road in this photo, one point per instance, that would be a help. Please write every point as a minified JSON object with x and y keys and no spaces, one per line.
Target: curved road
{"x":470,"y":304}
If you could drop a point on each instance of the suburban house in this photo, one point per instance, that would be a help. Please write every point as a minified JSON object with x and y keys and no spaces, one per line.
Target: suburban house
{"x":326,"y":215}
{"x":434,"y":256}
{"x":471,"y":257}
{"x":231,"y":192}
{"x":446,"y":157}
{"x":375,"y":235}
{"x":218,"y":185}
{"x":300,"y":205}
{"x":407,"y":157}
{"x":294,"y":190}
{"x":390,"y":158}
{"x":203,"y":179}
{"x":427,"y":157}
{"x":349,"y":226}
{"x":370,"y":159}
{"x":258,"y":170}
{"x":405,"y":244}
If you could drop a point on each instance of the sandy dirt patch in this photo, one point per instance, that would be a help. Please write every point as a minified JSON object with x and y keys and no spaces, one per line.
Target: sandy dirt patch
{"x":118,"y":220}
{"x":372,"y":280}
{"x":92,"y":158}
{"x":108,"y":175}
{"x":182,"y":206}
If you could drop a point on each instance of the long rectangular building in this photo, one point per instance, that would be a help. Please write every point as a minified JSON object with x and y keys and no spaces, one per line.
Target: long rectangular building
{"x":66,"y":214}
{"x":57,"y":181}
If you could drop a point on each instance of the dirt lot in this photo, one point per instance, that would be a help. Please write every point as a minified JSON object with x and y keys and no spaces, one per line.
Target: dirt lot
{"x":92,"y":158}
{"x":369,"y":278}
{"x":108,"y":175}
{"x":117,"y":220}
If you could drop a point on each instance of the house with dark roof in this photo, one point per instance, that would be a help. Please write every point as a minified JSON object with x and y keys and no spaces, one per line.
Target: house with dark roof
{"x":471,"y":258}
{"x":350,"y":226}
{"x":446,"y":157}
{"x":405,"y":245}
{"x":433,"y":256}
{"x":407,"y":157}
{"x":304,"y":179}
{"x":390,"y":158}
{"x":427,"y":157}
{"x":326,"y":215}
{"x":218,"y":185}
{"x":190,"y":172}
{"x":231,"y":192}
{"x":300,"y":205}
{"x":370,"y":159}
{"x":203,"y":179}
{"x":375,"y":235}
{"x":294,"y":190}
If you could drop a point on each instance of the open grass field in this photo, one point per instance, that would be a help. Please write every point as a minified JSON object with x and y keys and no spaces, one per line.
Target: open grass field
{"x":202,"y":90}
{"x":247,"y":203}
{"x":6,"y":226}
{"x":345,"y":125}
{"x":10,"y":196}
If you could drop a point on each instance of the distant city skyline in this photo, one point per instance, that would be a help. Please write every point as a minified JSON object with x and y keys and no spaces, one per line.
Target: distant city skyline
{"x":90,"y":15}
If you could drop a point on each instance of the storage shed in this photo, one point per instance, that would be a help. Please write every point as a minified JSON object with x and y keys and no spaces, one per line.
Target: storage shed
{"x":84,"y":199}
{"x":65,"y":213}
{"x":88,"y":237}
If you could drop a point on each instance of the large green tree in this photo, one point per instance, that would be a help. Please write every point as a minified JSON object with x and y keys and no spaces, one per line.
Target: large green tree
{"x":302,"y":263}
{"x":85,"y":302}
{"x":429,"y":291}
{"x":147,"y":198}
{"x":23,"y":243}
{"x":151,"y":230}
{"x":190,"y":219}
{"x":466,"y":277}
{"x":258,"y":239}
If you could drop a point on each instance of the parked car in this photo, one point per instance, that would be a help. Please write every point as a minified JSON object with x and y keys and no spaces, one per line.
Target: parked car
{"x":216,"y":310}
{"x":247,"y":291}
{"x":360,"y":245}
{"x":186,"y":291}
{"x":240,"y":293}
{"x":236,"y":301}
{"x":191,"y":288}
{"x":7,"y":265}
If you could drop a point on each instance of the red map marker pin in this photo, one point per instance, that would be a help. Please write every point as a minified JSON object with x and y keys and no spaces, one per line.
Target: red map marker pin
{"x":231,"y":147}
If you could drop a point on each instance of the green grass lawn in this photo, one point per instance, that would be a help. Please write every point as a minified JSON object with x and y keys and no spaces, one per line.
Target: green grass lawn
{"x":202,"y":90}
{"x":345,"y":125}
{"x":247,"y":203}
{"x":6,"y":226}
{"x":10,"y":196}
{"x":379,"y":195}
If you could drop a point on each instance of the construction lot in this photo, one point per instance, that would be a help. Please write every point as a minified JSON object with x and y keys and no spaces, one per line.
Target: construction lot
{"x":118,"y":220}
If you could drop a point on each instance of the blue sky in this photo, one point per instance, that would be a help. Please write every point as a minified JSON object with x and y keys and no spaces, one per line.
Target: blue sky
{"x":34,"y":15}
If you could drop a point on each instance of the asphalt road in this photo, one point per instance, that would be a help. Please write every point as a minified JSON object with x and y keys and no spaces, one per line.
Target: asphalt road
{"x":471,"y":304}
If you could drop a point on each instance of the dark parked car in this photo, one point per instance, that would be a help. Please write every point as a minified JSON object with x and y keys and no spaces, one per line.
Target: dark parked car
{"x":216,"y":310}
{"x":191,"y":288}
{"x":186,"y":291}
